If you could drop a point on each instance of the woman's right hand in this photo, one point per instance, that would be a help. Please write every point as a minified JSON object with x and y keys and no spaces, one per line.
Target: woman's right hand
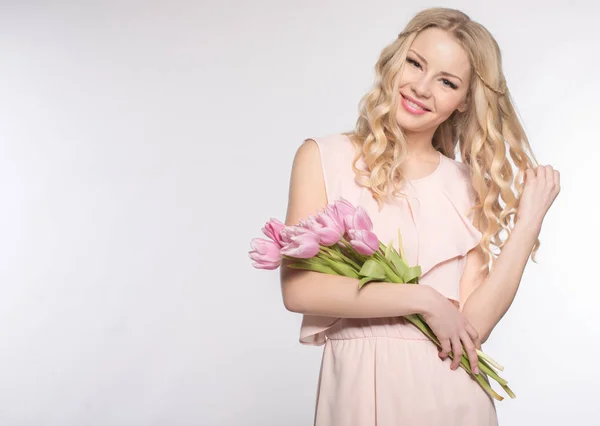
{"x":452,"y":330}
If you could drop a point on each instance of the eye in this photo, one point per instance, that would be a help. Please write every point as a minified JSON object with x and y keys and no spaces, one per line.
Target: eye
{"x":412,"y":61}
{"x":448,"y":83}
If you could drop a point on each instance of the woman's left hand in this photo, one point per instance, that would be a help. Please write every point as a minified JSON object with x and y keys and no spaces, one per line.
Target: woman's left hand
{"x":541,"y":186}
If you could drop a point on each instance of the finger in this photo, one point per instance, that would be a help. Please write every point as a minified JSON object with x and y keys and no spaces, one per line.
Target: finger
{"x":539,"y":171}
{"x":531,"y":177}
{"x":557,"y":180}
{"x":471,"y":353}
{"x":549,"y":176}
{"x":446,"y":348}
{"x":474,"y":335}
{"x":457,"y":352}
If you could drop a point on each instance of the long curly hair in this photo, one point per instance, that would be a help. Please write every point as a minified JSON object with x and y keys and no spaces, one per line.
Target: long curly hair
{"x":482,"y":132}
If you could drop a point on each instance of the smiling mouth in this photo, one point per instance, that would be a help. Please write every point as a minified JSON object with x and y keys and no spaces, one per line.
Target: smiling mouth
{"x":414,"y":105}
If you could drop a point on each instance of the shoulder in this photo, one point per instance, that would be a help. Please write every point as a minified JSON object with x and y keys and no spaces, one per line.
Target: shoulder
{"x":322,"y":152}
{"x":332,"y":151}
{"x":336,"y":142}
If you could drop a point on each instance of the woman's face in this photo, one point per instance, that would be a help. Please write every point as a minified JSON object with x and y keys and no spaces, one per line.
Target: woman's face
{"x":436,"y":76}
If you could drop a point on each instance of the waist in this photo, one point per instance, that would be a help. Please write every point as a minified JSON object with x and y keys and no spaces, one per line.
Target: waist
{"x":360,"y":328}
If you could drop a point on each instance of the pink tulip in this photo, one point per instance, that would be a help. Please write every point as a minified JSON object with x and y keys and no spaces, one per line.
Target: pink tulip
{"x":272,"y":229}
{"x":344,"y":207}
{"x":364,"y":242}
{"x":345,"y":211}
{"x":266,"y":254}
{"x":301,"y":243}
{"x":361,"y":220}
{"x":328,"y":226}
{"x":291,"y":231}
{"x":360,"y":231}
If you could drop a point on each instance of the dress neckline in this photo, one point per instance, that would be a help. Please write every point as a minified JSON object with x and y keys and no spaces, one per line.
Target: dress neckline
{"x":433,"y":173}
{"x":421,"y":179}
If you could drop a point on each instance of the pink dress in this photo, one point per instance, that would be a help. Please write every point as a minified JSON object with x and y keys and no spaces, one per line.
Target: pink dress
{"x":384,"y":371}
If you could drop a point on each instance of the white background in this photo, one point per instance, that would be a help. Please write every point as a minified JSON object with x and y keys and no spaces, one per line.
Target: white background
{"x":144,"y":143}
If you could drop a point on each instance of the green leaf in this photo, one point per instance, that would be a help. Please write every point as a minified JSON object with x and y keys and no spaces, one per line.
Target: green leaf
{"x":400,"y":265}
{"x":342,"y":267}
{"x":400,"y":246}
{"x":316,"y":267}
{"x":412,"y":273}
{"x":363,"y":281}
{"x":372,"y":268}
{"x":388,"y":250}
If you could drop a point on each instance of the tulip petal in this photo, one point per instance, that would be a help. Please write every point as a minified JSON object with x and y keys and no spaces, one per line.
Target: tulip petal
{"x":272,"y":230}
{"x":265,"y":253}
{"x":302,"y":246}
{"x":344,"y":207}
{"x":361,"y":220}
{"x":266,"y":265}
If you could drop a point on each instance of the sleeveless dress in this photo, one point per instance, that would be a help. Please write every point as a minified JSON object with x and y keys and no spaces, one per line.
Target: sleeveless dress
{"x":384,"y":371}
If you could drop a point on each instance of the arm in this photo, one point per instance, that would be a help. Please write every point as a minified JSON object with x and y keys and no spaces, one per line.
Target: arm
{"x":488,"y":296}
{"x":314,"y":293}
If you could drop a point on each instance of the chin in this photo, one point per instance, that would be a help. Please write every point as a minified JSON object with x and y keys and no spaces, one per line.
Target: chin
{"x":419,"y":123}
{"x":410,"y":123}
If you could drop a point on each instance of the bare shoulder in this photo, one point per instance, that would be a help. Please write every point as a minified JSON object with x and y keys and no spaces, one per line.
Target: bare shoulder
{"x":307,"y":193}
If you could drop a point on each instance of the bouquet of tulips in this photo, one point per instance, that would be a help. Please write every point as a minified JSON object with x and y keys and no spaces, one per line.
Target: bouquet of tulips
{"x":340,"y":241}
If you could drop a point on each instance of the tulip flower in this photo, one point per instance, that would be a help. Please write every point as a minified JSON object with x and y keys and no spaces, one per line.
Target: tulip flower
{"x":300,"y":242}
{"x":328,"y":226}
{"x":360,"y":231}
{"x":265,"y":254}
{"x":272,"y":229}
{"x":343,"y":208}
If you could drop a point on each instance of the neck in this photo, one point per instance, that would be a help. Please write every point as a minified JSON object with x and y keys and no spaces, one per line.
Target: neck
{"x":419,"y":143}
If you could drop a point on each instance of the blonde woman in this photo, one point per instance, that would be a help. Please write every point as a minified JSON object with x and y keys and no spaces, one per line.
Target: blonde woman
{"x":430,"y":155}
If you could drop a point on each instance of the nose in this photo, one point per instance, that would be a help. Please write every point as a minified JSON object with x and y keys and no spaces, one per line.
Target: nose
{"x":421,"y":86}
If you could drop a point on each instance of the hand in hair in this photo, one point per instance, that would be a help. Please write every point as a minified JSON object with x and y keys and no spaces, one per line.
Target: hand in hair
{"x":541,"y":186}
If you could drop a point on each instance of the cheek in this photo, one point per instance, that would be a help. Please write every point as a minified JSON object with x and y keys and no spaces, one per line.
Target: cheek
{"x":408,"y":76}
{"x":448,"y":102}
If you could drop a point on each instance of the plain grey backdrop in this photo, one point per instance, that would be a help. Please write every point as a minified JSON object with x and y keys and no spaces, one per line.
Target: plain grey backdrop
{"x":144,"y":143}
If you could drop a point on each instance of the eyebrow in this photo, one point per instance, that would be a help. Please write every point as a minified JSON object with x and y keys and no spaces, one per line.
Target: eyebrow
{"x":443,"y":72}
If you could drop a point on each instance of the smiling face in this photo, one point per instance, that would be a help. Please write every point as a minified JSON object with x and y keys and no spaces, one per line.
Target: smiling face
{"x":436,"y":78}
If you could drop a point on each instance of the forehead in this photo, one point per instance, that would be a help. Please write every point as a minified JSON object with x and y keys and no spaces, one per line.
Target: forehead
{"x":442,"y":51}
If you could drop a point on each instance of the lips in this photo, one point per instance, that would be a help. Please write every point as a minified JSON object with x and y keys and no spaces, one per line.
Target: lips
{"x":408,"y":98}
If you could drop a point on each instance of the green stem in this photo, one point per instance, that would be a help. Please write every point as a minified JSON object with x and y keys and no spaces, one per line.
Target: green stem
{"x":341,"y":256}
{"x":509,"y":391}
{"x":388,"y":270}
{"x":359,"y":258}
{"x":490,"y":360}
{"x":342,"y":268}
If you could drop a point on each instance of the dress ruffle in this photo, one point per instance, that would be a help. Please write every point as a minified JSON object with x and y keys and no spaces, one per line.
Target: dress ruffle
{"x":313,"y":328}
{"x":450,"y":231}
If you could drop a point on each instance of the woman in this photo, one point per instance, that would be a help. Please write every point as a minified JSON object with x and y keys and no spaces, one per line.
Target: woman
{"x":440,"y":87}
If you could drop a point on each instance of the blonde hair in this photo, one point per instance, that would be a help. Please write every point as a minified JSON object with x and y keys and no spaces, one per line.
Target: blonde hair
{"x":482,"y":132}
